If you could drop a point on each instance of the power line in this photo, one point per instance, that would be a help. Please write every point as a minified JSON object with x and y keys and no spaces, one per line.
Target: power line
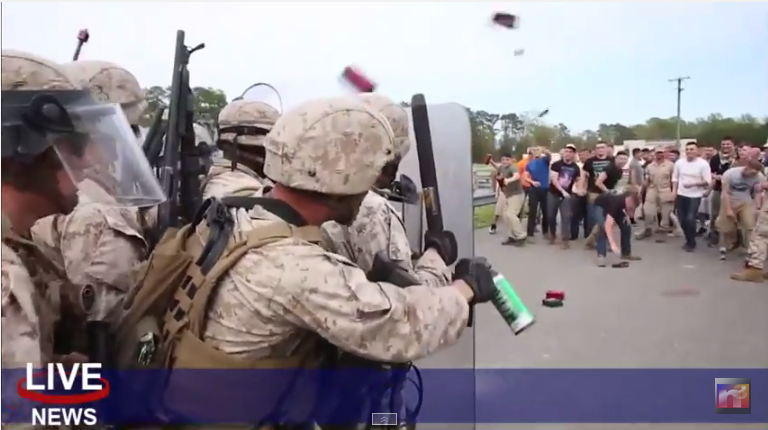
{"x":680,"y":88}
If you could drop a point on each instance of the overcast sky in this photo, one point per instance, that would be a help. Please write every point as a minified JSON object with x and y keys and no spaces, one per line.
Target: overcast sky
{"x":587,"y":62}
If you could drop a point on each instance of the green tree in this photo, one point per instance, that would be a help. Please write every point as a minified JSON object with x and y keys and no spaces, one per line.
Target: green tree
{"x":542,"y":135}
{"x":156,"y":97}
{"x":483,"y":125}
{"x":207,"y":102}
{"x":562,"y":137}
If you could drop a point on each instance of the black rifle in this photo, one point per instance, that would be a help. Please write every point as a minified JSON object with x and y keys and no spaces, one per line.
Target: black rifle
{"x":180,"y":170}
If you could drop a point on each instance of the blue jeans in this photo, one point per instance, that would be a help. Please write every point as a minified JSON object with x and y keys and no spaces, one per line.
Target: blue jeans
{"x":590,"y":218}
{"x":601,"y":244}
{"x":687,"y":208}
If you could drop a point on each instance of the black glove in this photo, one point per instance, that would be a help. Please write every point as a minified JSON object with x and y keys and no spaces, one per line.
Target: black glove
{"x":444,"y":242}
{"x":477,"y":273}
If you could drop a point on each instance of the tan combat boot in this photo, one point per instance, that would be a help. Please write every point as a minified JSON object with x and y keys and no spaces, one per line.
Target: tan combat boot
{"x":748,"y":274}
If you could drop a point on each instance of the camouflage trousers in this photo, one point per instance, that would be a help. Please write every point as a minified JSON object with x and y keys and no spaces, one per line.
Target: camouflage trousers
{"x":757,"y":251}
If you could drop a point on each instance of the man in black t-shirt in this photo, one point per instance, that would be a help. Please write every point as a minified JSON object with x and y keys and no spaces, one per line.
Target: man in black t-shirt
{"x":719,"y":164}
{"x":605,"y":182}
{"x":593,"y":167}
{"x":608,"y":178}
{"x":612,"y":210}
{"x":563,"y":174}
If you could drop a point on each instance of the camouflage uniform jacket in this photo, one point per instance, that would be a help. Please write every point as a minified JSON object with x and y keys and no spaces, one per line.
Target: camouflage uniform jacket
{"x":98,"y":245}
{"x":222,"y":181}
{"x":379,"y":228}
{"x":31,"y":286}
{"x":276,"y":295}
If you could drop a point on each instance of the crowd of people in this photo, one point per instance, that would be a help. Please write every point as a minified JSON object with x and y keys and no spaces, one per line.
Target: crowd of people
{"x":705,"y":194}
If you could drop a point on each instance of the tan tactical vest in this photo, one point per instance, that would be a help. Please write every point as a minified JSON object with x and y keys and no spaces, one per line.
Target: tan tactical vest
{"x":164,"y":318}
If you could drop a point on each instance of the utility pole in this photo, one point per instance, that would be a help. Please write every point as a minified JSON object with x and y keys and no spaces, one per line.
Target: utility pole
{"x":679,"y":81}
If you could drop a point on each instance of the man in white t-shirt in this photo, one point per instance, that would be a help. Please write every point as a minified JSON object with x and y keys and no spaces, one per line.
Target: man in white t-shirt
{"x":691,"y":178}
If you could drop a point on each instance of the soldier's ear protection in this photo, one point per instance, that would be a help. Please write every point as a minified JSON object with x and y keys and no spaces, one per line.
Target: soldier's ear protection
{"x":33,"y":121}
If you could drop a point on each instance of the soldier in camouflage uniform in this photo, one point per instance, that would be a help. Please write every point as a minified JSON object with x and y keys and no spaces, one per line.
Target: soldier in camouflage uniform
{"x":53,"y":137}
{"x":324,"y":157}
{"x":243,"y":126}
{"x":378,"y":227}
{"x":99,"y":244}
{"x":757,"y":250}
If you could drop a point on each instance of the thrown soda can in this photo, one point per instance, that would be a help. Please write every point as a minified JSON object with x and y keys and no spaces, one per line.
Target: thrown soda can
{"x":358,"y":80}
{"x":555,"y":294}
{"x":509,"y":305}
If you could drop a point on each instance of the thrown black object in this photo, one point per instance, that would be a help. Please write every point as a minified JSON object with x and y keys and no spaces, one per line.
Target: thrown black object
{"x":506,"y":19}
{"x":552,"y":303}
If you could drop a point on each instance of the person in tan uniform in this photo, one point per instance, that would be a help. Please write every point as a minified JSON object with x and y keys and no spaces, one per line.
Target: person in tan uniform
{"x":324,"y":156}
{"x":53,"y":137}
{"x":243,"y":126}
{"x":379,"y":227}
{"x":274,"y":298}
{"x":757,"y":248}
{"x":658,"y":197}
{"x":99,"y":244}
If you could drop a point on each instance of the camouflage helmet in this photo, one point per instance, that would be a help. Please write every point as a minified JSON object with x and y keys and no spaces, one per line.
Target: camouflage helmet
{"x":397,"y":117}
{"x":246,"y":113}
{"x":112,"y":84}
{"x":25,"y":71}
{"x":332,"y":146}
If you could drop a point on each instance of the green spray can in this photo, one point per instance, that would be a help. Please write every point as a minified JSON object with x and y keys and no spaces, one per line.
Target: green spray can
{"x":509,"y":305}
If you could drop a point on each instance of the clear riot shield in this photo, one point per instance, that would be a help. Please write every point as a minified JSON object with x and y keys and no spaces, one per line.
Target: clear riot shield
{"x":451,"y":140}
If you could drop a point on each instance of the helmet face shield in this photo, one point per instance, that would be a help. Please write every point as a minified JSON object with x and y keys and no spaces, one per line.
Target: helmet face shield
{"x":93,"y":141}
{"x":111,"y":158}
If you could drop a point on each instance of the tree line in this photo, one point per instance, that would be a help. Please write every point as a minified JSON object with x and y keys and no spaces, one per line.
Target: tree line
{"x":494,"y":133}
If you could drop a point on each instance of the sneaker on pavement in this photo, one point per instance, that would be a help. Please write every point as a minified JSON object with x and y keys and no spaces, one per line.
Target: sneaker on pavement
{"x":601,"y":262}
{"x":723,"y":252}
{"x":492,"y":230}
{"x":643,"y":234}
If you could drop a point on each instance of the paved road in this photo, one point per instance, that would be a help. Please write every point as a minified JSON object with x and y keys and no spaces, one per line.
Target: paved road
{"x":671,"y":310}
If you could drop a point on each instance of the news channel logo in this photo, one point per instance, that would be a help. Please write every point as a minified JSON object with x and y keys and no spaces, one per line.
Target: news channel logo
{"x":384,"y":419}
{"x":732,"y":396}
